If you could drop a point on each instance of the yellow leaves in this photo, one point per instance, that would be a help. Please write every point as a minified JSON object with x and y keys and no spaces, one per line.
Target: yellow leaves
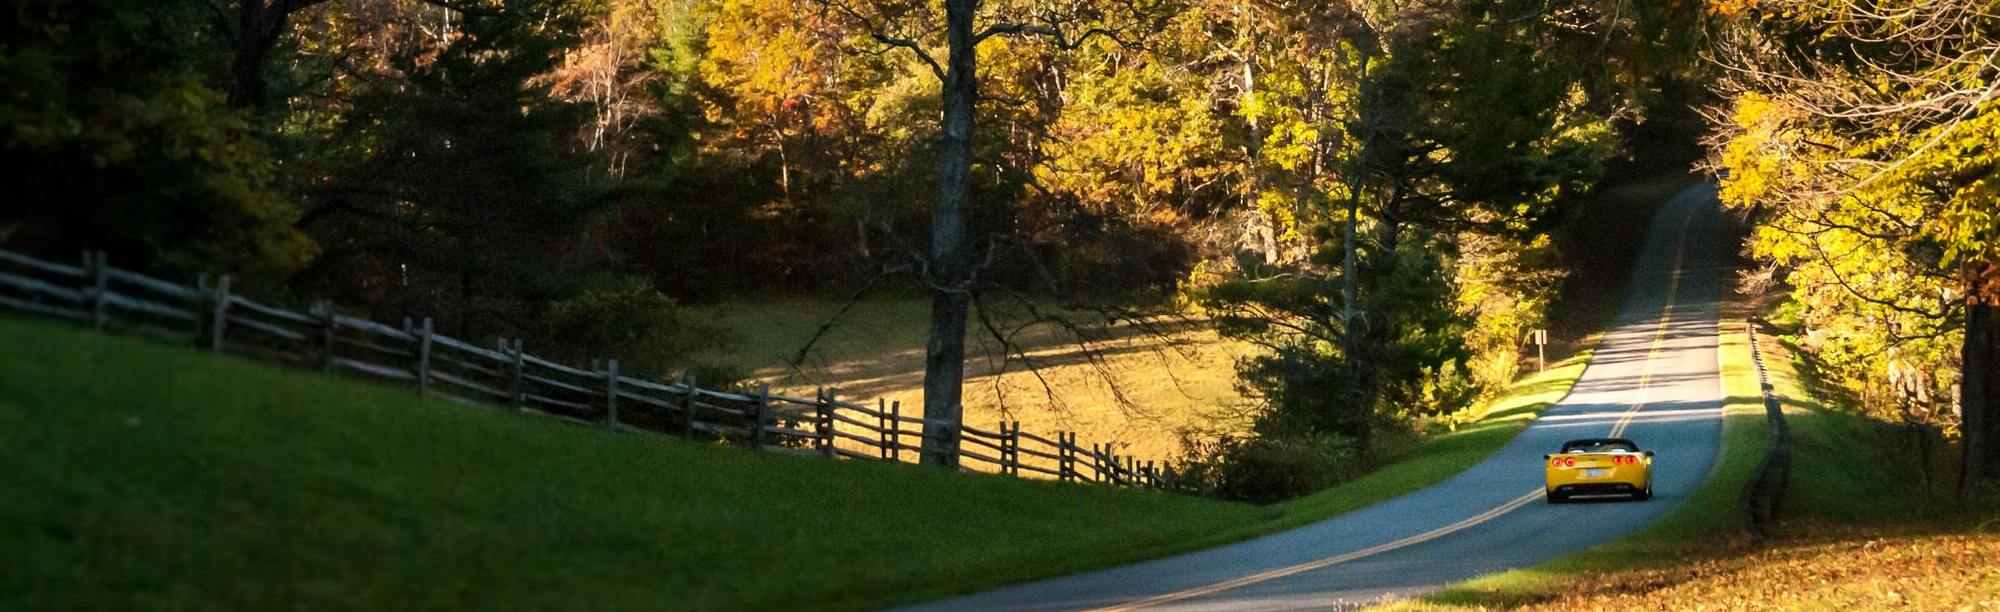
{"x":1291,"y":143}
{"x":1754,"y":156}
{"x":1135,"y":139}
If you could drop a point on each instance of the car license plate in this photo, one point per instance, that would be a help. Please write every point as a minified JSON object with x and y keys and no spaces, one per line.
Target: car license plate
{"x":1593,"y":473}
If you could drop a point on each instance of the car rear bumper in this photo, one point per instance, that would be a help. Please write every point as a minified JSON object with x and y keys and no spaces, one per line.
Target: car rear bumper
{"x":1598,"y":488}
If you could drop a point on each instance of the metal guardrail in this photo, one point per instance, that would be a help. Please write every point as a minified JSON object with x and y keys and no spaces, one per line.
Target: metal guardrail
{"x":1763,"y":495}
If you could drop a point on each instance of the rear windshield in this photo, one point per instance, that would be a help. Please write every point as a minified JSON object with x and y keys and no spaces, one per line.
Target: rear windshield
{"x":1600,"y":446}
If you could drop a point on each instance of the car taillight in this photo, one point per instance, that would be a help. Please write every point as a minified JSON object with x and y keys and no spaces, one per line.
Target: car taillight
{"x":1569,"y":462}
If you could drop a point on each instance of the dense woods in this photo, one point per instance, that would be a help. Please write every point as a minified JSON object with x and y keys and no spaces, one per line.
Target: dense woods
{"x":1372,"y":191}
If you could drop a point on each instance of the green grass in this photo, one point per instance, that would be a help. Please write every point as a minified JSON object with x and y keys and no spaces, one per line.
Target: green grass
{"x":152,"y":477}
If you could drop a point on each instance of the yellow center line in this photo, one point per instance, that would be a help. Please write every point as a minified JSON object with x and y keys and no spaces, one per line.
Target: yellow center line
{"x":1333,"y":560}
{"x":1659,"y":333}
{"x":1645,"y":378}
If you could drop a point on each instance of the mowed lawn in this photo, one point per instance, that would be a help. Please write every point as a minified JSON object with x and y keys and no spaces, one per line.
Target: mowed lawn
{"x":144,"y":476}
{"x":1136,"y":385}
{"x":147,"y":476}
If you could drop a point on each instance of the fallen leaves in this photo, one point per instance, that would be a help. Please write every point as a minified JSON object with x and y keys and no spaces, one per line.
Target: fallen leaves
{"x":1818,"y":567}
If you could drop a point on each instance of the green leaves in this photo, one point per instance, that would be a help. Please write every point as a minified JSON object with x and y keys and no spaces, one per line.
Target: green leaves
{"x":128,"y":147}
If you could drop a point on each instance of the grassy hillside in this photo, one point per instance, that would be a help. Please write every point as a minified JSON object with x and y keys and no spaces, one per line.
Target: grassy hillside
{"x":1135,"y":385}
{"x":156,"y":477}
{"x":146,"y":476}
{"x":1855,"y":531}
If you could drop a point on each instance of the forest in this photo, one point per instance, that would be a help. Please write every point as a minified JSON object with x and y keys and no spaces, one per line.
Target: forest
{"x":1382,"y":196}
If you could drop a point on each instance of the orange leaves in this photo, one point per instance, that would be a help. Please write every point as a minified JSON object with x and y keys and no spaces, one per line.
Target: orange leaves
{"x":1731,"y":8}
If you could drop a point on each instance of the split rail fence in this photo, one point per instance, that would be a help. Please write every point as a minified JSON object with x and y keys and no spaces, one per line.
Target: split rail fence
{"x":212,"y":316}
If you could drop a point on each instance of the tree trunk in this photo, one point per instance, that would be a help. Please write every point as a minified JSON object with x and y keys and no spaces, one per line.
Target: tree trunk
{"x":258,"y":26}
{"x":1367,"y":336}
{"x":1979,"y":380}
{"x":944,"y":359}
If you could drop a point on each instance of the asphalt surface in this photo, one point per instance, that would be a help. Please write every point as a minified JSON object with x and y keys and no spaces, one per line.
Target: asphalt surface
{"x":1653,"y":379}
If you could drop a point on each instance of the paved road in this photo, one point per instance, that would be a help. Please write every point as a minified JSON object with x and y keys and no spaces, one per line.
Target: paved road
{"x":1653,"y":379}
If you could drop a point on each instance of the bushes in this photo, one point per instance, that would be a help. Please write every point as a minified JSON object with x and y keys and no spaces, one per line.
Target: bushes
{"x":646,"y":331}
{"x":1266,"y":469}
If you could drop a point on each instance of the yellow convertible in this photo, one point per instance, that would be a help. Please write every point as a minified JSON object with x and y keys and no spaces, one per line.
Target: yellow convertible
{"x":1599,"y":466}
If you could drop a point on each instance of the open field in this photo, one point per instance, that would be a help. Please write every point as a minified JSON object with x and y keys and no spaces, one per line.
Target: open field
{"x":150,"y":477}
{"x":1854,"y":533}
{"x":1134,"y":384}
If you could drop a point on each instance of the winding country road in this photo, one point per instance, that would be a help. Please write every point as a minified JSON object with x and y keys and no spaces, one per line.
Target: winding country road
{"x":1653,"y":379}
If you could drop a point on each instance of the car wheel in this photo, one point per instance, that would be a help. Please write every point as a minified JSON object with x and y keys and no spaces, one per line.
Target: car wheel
{"x":1646,"y":494}
{"x":1557,"y":498}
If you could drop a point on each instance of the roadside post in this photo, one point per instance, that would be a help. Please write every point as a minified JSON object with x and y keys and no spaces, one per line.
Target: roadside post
{"x":1541,"y":355}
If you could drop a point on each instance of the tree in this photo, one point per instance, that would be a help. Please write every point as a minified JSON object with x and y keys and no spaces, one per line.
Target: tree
{"x":1865,"y":136}
{"x":457,"y":191}
{"x":1421,"y":157}
{"x":948,"y":268}
{"x":254,"y":29}
{"x":119,"y":144}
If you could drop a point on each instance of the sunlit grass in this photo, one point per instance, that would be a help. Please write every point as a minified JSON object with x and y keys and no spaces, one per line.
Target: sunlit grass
{"x":1144,"y":387}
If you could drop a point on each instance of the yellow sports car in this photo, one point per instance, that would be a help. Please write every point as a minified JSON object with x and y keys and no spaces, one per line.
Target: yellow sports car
{"x":1599,"y":466}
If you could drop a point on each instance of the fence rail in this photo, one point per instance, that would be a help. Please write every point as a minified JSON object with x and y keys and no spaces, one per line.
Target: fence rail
{"x":212,"y":316}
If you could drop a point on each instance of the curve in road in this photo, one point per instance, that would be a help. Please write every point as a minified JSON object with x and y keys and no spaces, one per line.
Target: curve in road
{"x":1653,"y":379}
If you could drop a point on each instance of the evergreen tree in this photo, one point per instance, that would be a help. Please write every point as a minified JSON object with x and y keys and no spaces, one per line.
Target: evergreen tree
{"x":454,"y":192}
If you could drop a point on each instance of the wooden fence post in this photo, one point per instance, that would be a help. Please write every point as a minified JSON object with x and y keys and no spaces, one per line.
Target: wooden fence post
{"x":200,"y":300}
{"x":1010,"y":439}
{"x":1065,"y":458}
{"x":424,"y":358}
{"x":887,"y":445}
{"x":611,"y":394}
{"x":516,"y":391}
{"x":896,"y":430}
{"x":328,"y":324}
{"x":823,"y":422}
{"x":218,"y":324}
{"x":687,"y":405}
{"x":951,"y":444}
{"x":100,"y":283}
{"x":757,"y":412}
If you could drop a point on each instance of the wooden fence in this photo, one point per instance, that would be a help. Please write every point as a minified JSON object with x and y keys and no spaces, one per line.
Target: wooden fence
{"x":211,"y":316}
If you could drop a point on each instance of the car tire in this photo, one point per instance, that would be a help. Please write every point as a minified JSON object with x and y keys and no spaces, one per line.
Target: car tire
{"x":1556,"y":498}
{"x":1646,"y":494}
